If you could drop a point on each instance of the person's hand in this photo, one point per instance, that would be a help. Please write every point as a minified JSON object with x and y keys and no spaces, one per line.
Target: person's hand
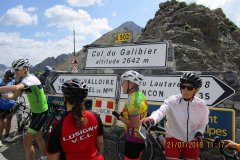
{"x":198,"y":136}
{"x":116,"y":114}
{"x":230,"y":144}
{"x":147,"y":122}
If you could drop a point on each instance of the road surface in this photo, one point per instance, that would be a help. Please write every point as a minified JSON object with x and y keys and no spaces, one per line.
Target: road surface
{"x":14,"y":150}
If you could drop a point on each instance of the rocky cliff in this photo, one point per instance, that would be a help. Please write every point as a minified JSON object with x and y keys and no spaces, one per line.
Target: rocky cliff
{"x":204,"y":39}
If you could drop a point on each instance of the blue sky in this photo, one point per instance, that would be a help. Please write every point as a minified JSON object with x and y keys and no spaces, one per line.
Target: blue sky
{"x":40,"y":29}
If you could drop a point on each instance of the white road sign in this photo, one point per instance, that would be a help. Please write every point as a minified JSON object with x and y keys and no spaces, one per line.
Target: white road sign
{"x":159,"y":88}
{"x":98,"y":85}
{"x":144,"y":55}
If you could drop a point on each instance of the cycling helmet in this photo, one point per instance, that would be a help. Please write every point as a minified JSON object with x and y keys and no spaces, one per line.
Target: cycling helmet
{"x":9,"y":73}
{"x":191,"y":78}
{"x":47,"y":69}
{"x":20,"y":63}
{"x":75,"y":89}
{"x":132,"y":76}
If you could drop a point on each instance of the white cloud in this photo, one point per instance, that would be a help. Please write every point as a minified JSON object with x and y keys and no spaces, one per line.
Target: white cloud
{"x":43,"y":34}
{"x":19,"y":16}
{"x":79,"y":20}
{"x":83,"y":3}
{"x":13,"y":47}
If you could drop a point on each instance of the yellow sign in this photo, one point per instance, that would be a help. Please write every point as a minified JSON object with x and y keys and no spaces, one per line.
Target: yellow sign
{"x":123,"y":37}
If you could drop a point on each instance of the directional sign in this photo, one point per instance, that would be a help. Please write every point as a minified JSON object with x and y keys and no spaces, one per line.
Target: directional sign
{"x":98,"y":85}
{"x":159,"y":88}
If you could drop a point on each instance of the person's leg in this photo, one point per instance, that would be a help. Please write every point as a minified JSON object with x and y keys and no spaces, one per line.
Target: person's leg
{"x":27,"y":144}
{"x":191,"y":150}
{"x":41,"y":144}
{"x":38,"y":120}
{"x":133,"y":150}
{"x":1,"y":131}
{"x":8,"y":122}
{"x":172,"y":148}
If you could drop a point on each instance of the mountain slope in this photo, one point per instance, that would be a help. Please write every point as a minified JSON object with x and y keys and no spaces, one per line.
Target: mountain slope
{"x":62,"y":62}
{"x":204,"y":39}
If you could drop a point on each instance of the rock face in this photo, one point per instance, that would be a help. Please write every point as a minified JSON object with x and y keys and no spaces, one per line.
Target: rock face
{"x":204,"y":39}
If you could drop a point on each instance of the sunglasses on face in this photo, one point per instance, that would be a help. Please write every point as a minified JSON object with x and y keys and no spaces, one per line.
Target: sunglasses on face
{"x":190,"y":88}
{"x":17,"y":69}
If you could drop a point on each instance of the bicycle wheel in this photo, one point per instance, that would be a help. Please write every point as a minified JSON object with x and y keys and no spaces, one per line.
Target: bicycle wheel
{"x":21,"y":99}
{"x":120,"y":148}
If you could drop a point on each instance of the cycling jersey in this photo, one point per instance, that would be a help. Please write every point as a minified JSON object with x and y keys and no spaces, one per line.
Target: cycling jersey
{"x":6,"y":104}
{"x":76,"y":143}
{"x":136,"y":105}
{"x":35,"y":94}
{"x":184,"y":119}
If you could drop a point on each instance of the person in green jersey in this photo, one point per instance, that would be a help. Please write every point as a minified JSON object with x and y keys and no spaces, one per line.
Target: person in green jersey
{"x":31,"y":86}
{"x":134,"y":110}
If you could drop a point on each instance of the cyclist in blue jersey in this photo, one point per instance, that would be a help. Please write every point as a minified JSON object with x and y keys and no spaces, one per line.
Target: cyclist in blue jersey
{"x":6,"y":107}
{"x":31,"y":86}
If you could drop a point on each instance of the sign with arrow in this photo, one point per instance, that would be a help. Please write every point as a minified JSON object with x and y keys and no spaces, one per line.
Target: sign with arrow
{"x":98,"y":85}
{"x":159,"y":88}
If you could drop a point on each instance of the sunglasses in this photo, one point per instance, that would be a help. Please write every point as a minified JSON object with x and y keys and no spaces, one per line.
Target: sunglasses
{"x":17,"y":69}
{"x":190,"y":88}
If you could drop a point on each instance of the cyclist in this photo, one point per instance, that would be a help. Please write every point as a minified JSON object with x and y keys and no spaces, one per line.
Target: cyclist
{"x":6,"y":107}
{"x":187,"y":117}
{"x":43,"y":76}
{"x":134,"y":110}
{"x":79,"y":134}
{"x":31,"y":86}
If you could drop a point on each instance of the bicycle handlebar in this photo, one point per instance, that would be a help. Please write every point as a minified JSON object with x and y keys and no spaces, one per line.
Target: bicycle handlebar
{"x":220,"y":145}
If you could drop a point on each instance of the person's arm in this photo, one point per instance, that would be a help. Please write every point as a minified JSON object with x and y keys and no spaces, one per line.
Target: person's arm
{"x":99,"y":141}
{"x":12,"y":88}
{"x":204,"y":122}
{"x":54,"y":142}
{"x":15,"y":89}
{"x":100,"y":144}
{"x":159,"y":114}
{"x":231,"y":144}
{"x":132,"y":122}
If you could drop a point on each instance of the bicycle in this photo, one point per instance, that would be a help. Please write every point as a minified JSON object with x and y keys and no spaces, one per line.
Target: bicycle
{"x":155,"y":137}
{"x":23,"y":119}
{"x":55,"y":113}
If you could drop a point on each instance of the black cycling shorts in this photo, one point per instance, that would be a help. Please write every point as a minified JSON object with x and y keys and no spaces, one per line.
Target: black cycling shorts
{"x":133,"y":150}
{"x":38,"y":120}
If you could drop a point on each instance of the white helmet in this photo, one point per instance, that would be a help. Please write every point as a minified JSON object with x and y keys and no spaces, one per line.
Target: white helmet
{"x":20,"y":63}
{"x":132,"y":76}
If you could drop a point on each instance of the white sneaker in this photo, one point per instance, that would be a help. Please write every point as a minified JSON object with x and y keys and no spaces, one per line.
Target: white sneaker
{"x":1,"y":143}
{"x":8,"y":139}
